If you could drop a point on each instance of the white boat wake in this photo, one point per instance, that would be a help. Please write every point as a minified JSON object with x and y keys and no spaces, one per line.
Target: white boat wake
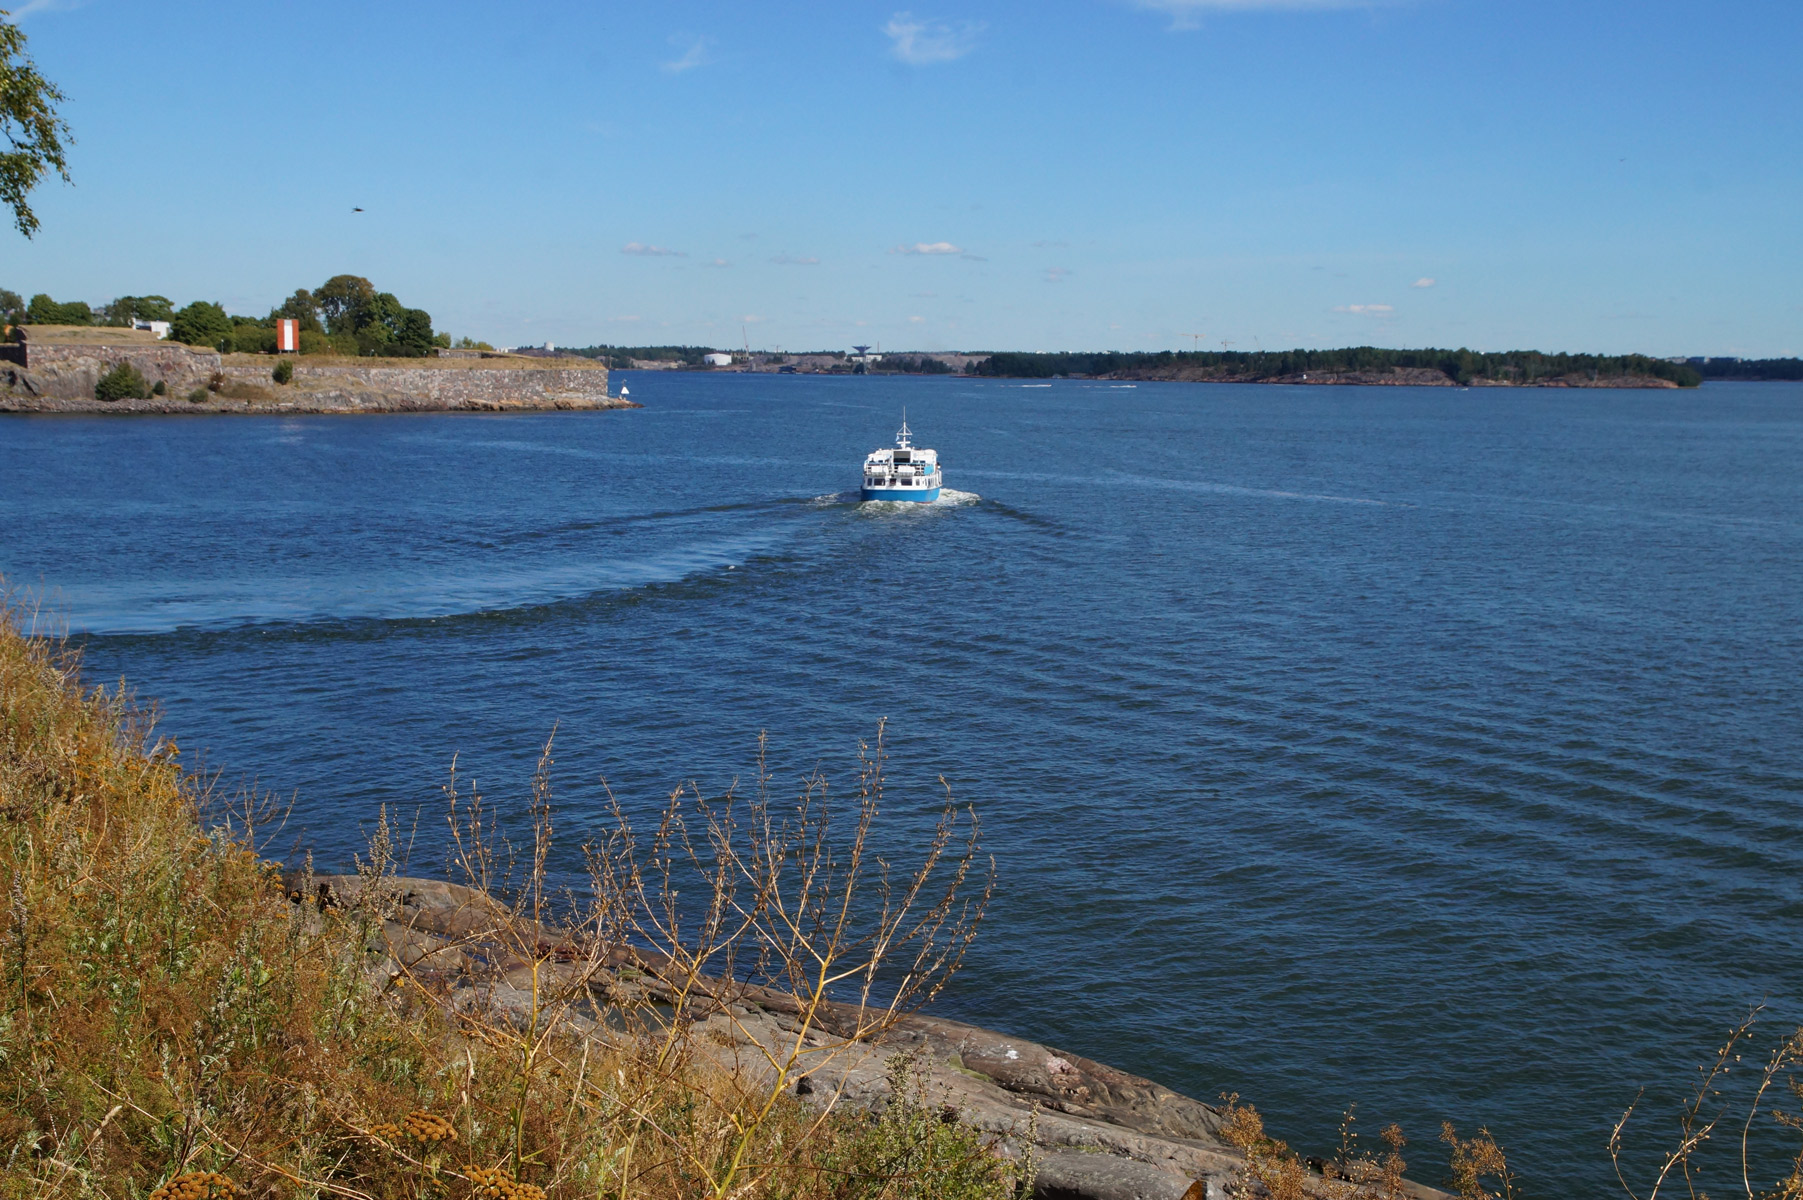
{"x":948,"y":498}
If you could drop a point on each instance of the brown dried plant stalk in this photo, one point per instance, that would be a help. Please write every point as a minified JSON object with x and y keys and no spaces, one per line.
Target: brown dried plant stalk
{"x":791,"y":914}
{"x":1706,"y":1107}
{"x":728,"y":906}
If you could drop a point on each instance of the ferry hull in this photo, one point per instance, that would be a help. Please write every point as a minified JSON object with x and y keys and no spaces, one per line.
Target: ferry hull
{"x":931,"y":493}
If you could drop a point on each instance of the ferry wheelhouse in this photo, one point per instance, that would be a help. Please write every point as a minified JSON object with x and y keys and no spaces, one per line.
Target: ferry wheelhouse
{"x":903,"y":473}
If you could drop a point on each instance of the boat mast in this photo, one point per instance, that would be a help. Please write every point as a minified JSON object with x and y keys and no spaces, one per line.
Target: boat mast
{"x":902,"y":435}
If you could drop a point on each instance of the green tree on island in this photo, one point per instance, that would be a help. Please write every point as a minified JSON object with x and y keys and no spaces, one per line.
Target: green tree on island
{"x":33,"y":130}
{"x":127,"y":309}
{"x":299,"y":307}
{"x":355,"y":314}
{"x":201,"y":324}
{"x":44,"y":311}
{"x":341,"y":299}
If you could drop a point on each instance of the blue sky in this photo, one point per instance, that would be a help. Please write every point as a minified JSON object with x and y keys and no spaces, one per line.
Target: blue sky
{"x":1076,"y":174}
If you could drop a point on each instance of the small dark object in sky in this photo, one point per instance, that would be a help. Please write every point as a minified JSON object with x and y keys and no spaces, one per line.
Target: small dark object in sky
{"x":356,"y":210}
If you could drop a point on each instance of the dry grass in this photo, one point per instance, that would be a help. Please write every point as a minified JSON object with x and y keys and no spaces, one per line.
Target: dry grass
{"x":91,"y":335}
{"x":171,"y":1022}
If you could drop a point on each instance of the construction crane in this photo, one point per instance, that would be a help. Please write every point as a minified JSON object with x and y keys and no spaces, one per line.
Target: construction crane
{"x":1196,"y":341}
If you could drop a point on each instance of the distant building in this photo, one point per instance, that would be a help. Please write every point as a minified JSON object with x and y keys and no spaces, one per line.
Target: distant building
{"x":160,"y":328}
{"x":719,"y":360}
{"x":547,"y":346}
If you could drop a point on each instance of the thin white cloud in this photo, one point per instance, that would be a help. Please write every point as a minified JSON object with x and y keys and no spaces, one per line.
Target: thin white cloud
{"x":1187,"y":14}
{"x":1365,"y":310}
{"x":695,"y":54}
{"x":641,"y":250}
{"x":1423,"y":282}
{"x":928,"y":248}
{"x":1056,"y":274}
{"x":923,"y":43}
{"x":718,"y":262}
{"x":917,"y":320}
{"x":790,"y":260}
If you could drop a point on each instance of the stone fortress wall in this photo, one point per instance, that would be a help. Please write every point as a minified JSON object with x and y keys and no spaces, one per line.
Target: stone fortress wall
{"x":55,"y":369}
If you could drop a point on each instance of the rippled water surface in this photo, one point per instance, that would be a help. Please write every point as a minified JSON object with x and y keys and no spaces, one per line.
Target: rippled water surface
{"x":1433,"y":749}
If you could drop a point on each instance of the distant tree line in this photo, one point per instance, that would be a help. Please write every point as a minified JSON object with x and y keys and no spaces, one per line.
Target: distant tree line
{"x":907,"y":364}
{"x":621,"y":357}
{"x":1749,"y":368}
{"x":345,"y":315}
{"x":1461,"y":366}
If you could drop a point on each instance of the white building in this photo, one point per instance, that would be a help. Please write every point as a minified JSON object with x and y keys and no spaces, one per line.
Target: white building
{"x":160,"y":328}
{"x":719,"y":360}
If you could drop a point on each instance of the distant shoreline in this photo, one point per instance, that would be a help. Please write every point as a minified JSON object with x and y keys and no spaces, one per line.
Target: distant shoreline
{"x":1398,"y":378}
{"x":1354,"y":365}
{"x":1402,"y":377}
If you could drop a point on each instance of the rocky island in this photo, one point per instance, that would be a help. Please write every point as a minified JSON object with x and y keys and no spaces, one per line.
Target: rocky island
{"x":60,"y":369}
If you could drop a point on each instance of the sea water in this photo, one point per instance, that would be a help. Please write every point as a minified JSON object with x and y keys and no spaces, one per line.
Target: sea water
{"x":1433,"y":749}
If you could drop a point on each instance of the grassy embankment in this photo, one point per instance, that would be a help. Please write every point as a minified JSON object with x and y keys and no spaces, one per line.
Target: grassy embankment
{"x":167,"y":1013}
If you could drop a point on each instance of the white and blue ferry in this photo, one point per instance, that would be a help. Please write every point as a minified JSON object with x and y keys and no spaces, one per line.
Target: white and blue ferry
{"x":903,"y":473}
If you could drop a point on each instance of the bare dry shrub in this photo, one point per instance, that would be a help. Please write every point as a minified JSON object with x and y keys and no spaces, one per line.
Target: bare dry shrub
{"x":1473,"y":1161}
{"x":238,"y":389}
{"x":1272,"y":1168}
{"x":726,"y":911}
{"x":1709,"y":1104}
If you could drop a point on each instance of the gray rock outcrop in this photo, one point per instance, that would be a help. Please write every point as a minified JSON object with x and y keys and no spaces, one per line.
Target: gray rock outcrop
{"x":1098,"y":1133}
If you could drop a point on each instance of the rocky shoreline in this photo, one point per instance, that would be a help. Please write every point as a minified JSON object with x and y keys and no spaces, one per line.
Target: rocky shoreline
{"x":1095,"y":1132}
{"x":323,"y":401}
